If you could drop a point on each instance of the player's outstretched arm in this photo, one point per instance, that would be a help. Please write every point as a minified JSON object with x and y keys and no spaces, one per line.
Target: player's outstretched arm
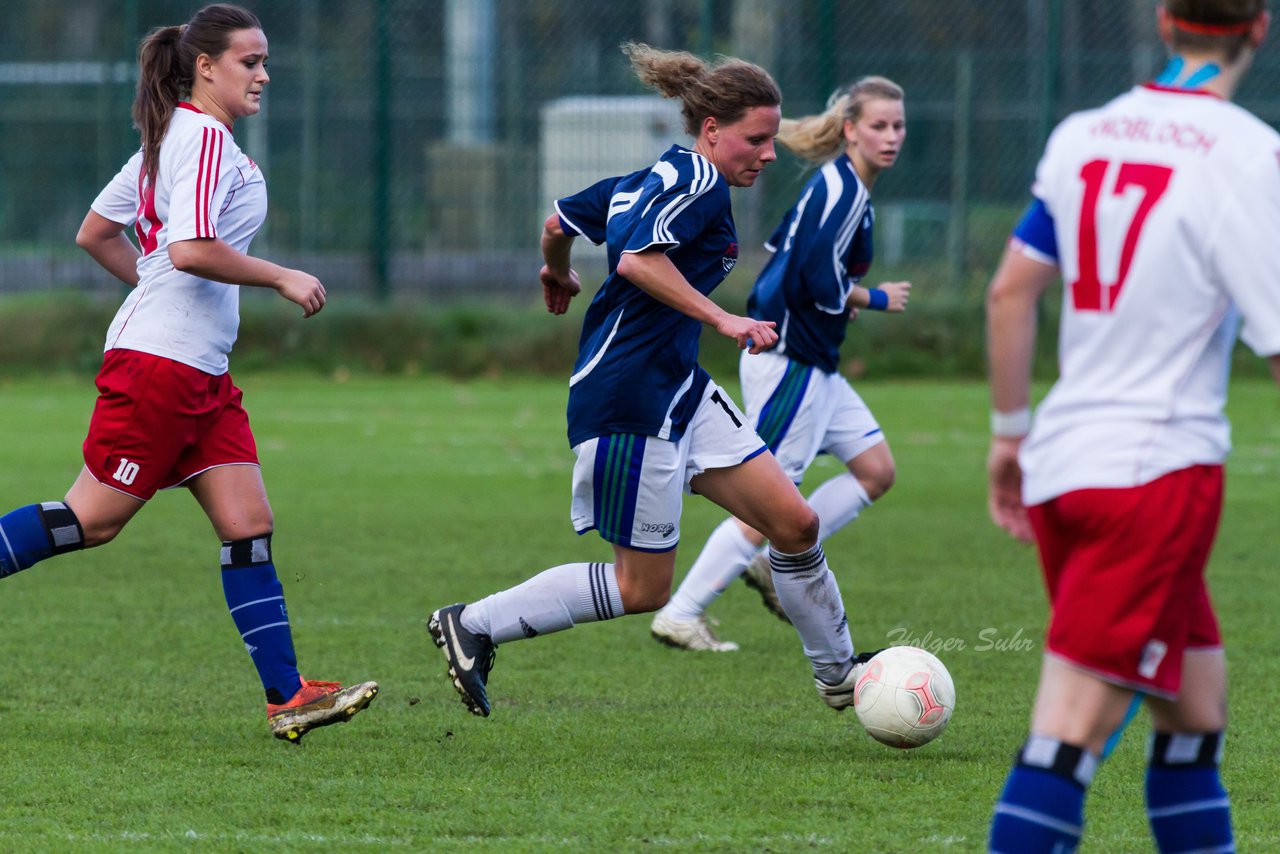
{"x":560,"y":282}
{"x":1011,"y":335}
{"x":652,"y":272}
{"x":886,"y":296}
{"x":216,"y":260}
{"x":106,"y":243}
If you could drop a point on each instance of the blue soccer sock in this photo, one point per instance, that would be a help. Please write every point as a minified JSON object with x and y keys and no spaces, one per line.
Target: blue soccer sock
{"x":30,"y":534}
{"x":1186,"y":804}
{"x":1042,"y":806}
{"x":256,"y":599}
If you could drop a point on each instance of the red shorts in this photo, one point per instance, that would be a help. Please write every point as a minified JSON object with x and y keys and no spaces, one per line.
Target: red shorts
{"x":1125,"y":573}
{"x":158,"y":422}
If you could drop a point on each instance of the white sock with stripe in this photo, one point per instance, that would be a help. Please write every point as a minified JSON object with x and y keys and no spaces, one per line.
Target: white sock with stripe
{"x":722,"y":559}
{"x":810,"y":596}
{"x":837,"y":503}
{"x":553,"y":600}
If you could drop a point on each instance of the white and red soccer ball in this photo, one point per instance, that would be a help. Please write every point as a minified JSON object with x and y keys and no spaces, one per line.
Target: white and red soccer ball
{"x":904,"y":697}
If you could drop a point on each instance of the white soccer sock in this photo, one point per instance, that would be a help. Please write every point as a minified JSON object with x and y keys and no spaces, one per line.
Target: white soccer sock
{"x":723,"y":559}
{"x":837,"y":503}
{"x":553,"y":600}
{"x":810,"y":596}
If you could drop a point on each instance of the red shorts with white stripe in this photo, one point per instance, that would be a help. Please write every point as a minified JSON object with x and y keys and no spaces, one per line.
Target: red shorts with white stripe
{"x":1125,"y":573}
{"x":158,"y":422}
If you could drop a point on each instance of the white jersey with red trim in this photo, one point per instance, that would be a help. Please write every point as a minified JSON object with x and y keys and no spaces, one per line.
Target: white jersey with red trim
{"x":205,"y":187}
{"x":1166,"y":212}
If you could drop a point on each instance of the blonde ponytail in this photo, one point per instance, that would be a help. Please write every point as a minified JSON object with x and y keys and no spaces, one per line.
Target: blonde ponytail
{"x":820,"y":137}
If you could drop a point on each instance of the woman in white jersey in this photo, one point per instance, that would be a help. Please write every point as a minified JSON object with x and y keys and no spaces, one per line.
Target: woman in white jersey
{"x":168,"y":413}
{"x":800,"y":404}
{"x":645,"y":421}
{"x":1161,"y":212}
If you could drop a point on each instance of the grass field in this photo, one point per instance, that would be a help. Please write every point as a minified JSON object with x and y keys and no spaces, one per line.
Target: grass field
{"x":132,"y":720}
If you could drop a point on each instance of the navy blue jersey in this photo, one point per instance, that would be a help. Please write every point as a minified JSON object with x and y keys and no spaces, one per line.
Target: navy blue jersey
{"x":821,"y":249}
{"x":637,"y":369}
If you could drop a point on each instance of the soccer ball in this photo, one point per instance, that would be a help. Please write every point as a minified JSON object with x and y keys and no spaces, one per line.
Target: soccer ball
{"x":904,"y":697}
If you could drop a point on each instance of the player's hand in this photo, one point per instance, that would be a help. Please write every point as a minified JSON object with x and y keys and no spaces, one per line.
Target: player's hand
{"x":898,"y":293}
{"x":748,"y":333}
{"x":303,"y":289}
{"x":558,"y":290}
{"x":1004,"y":488}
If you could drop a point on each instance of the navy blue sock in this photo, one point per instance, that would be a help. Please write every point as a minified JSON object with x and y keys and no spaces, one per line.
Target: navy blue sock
{"x":1186,"y":804}
{"x":30,"y":534}
{"x":256,"y":599}
{"x":1042,"y":806}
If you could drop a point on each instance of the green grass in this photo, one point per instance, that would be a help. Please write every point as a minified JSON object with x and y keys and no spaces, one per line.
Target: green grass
{"x":131,"y":718}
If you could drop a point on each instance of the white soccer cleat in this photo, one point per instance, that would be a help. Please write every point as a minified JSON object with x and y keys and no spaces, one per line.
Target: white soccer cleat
{"x":841,"y":695}
{"x":692,"y":634}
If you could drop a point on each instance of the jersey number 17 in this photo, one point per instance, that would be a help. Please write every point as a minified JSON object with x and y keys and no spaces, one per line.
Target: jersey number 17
{"x":1089,"y":292}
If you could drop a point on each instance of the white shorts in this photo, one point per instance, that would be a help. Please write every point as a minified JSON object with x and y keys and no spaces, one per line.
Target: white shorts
{"x":800,"y":412}
{"x":631,"y":488}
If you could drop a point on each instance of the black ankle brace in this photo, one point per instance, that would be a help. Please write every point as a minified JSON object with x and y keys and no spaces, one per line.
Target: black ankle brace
{"x":253,"y":551}
{"x":1185,"y":749}
{"x":62,"y":526}
{"x":1065,"y":760}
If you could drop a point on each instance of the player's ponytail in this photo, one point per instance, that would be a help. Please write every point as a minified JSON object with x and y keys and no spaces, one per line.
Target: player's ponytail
{"x":820,"y":137}
{"x":166,"y":68}
{"x":161,"y":83}
{"x":724,"y":91}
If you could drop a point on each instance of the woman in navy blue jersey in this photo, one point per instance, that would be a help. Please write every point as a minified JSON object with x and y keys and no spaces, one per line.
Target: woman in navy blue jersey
{"x":645,"y":421}
{"x":798,"y":401}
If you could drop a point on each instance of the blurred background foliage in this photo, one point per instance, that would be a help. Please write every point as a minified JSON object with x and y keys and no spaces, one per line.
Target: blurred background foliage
{"x":413,"y":147}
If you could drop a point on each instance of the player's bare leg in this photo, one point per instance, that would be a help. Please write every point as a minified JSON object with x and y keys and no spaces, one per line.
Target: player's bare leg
{"x":102,"y":511}
{"x":90,"y":515}
{"x":760,"y":494}
{"x":1076,"y":707}
{"x":837,"y":502}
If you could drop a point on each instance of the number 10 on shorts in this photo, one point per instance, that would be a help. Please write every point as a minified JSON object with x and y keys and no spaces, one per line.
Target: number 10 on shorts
{"x":126,"y":472}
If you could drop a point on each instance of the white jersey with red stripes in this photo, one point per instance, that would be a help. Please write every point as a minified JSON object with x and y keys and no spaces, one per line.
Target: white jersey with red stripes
{"x":205,"y":187}
{"x":1166,"y":211}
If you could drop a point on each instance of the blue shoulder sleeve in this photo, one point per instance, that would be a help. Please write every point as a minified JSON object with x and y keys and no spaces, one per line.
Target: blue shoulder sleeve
{"x":1036,"y":230}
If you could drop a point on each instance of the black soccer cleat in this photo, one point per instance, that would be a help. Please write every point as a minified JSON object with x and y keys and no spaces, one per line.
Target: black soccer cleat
{"x":470,"y":657}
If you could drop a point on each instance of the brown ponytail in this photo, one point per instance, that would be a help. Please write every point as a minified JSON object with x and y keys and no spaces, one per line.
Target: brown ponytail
{"x":725,"y":90}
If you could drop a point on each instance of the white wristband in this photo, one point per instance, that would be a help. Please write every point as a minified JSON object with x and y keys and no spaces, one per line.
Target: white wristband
{"x":1011,"y":425}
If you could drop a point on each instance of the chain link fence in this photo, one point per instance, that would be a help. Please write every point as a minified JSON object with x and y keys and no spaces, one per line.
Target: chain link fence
{"x":413,"y":147}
